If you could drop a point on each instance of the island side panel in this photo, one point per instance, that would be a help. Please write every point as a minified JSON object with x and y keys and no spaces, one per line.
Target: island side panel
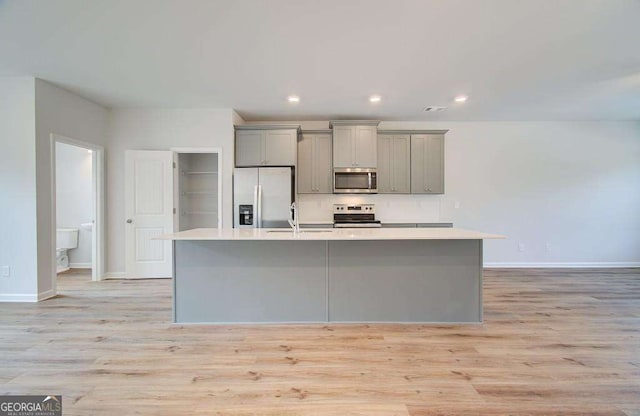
{"x":405,"y":281}
{"x":250,"y":281}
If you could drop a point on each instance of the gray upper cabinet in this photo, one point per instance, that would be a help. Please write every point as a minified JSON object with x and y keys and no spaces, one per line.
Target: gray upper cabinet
{"x":366,"y":150}
{"x":343,"y":146}
{"x":355,"y":144}
{"x":427,"y":163}
{"x":314,"y":171}
{"x":266,"y":145}
{"x":249,"y":150}
{"x":394,"y":164}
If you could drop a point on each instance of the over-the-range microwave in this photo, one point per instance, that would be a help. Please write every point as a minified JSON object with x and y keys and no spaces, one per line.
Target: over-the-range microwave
{"x":355,"y":181}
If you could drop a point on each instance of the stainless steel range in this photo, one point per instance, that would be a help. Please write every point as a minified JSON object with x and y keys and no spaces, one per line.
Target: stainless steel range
{"x":355,"y":216}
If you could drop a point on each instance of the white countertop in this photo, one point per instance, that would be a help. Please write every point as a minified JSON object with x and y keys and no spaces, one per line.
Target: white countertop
{"x":322,"y":234}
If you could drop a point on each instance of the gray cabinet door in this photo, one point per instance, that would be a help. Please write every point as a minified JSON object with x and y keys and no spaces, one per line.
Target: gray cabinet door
{"x":435,"y":165}
{"x":427,"y":164}
{"x":365,"y":149}
{"x":304,"y":171}
{"x":249,"y":148}
{"x":343,"y":146}
{"x":394,"y":164}
{"x":323,"y":170}
{"x":280,"y":147}
{"x":385,"y":164}
{"x":314,"y":170}
{"x":355,"y":146}
{"x":401,"y":167}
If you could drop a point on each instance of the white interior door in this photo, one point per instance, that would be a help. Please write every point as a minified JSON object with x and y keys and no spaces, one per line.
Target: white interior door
{"x":149,"y":212}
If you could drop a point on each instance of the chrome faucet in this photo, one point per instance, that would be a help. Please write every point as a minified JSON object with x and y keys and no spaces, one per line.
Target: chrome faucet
{"x":295,"y":225}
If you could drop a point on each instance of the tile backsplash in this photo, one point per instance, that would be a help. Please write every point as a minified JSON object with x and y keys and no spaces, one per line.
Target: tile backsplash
{"x":389,"y":208}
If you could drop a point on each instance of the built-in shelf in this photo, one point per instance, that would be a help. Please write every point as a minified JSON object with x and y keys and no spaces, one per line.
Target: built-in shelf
{"x":198,"y":190}
{"x":201,"y":193}
{"x":199,"y":212}
{"x":184,"y":172}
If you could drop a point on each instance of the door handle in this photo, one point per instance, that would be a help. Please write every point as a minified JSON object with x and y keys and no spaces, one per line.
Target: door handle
{"x":257,"y":204}
{"x":129,"y":221}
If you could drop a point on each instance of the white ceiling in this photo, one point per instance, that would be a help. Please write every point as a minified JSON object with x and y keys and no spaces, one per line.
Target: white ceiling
{"x":516,"y":59}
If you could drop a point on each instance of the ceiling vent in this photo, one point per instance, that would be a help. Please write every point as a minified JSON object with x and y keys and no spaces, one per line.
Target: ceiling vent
{"x":434,"y":109}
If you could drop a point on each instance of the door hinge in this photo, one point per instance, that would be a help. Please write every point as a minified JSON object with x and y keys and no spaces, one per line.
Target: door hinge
{"x":174,"y":165}
{"x":174,"y":211}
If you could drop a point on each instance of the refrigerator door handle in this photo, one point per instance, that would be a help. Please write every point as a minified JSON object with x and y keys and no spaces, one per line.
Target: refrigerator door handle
{"x":259,"y":205}
{"x":255,"y":207}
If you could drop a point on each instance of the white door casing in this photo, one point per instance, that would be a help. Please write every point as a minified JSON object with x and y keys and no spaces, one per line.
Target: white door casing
{"x":148,"y":213}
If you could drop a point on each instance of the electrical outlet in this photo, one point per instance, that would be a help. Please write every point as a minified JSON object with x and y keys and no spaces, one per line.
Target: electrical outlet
{"x":456,"y":205}
{"x":5,"y":271}
{"x":520,"y":246}
{"x":547,"y":247}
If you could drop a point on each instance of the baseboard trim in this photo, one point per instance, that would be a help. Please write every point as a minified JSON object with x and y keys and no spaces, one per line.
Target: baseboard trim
{"x":18,"y":297}
{"x":80,"y":265}
{"x":46,"y":295}
{"x":580,"y":265}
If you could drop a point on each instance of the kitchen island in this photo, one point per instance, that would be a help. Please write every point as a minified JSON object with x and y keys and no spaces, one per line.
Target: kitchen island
{"x":328,"y":275}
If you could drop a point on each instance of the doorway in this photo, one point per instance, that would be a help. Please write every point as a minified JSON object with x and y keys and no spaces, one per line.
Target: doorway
{"x":77,"y":175}
{"x":167,"y":191}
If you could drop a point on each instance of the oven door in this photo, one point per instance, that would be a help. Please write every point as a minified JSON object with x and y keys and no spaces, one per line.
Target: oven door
{"x":355,"y":181}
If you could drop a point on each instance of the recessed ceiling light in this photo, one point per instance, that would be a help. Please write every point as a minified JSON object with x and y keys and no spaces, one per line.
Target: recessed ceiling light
{"x":293,"y":99}
{"x":434,"y":108}
{"x":375,"y":99}
{"x":460,"y":98}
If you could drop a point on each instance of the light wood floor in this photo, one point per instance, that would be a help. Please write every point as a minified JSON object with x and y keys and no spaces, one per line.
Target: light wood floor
{"x":553,"y":342}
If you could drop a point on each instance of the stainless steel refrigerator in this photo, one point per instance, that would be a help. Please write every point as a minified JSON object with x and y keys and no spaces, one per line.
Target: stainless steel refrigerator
{"x":262,"y":197}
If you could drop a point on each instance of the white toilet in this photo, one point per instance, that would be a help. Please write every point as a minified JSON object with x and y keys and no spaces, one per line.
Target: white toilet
{"x":66,"y":239}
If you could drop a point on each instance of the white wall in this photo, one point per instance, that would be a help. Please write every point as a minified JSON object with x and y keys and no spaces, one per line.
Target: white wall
{"x":74,"y":198}
{"x":18,"y":238}
{"x":58,"y":112}
{"x":568,"y":191}
{"x":142,"y":129}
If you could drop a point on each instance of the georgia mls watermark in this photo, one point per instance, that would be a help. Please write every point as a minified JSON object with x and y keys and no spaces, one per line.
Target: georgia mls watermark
{"x":30,"y":405}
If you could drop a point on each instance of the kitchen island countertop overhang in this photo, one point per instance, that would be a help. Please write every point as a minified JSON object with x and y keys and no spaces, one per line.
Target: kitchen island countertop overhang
{"x":328,"y":275}
{"x":314,"y":234}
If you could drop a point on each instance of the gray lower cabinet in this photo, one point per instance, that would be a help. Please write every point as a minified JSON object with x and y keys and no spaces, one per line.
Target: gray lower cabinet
{"x":266,"y":147}
{"x":314,"y":171}
{"x":394,"y":160}
{"x":427,"y":163}
{"x":327,"y":281}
